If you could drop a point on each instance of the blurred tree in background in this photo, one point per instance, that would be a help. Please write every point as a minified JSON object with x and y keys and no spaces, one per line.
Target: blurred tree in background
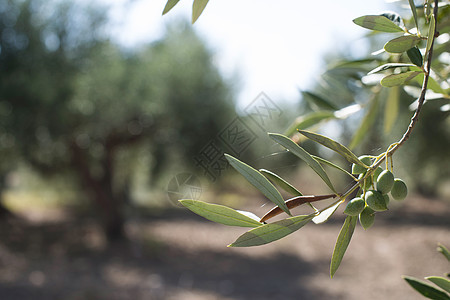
{"x":74,"y":104}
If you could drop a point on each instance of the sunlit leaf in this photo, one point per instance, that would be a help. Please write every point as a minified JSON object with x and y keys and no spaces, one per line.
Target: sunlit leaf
{"x":388,"y":66}
{"x":197,"y":8}
{"x":271,"y":232}
{"x":398,"y":79}
{"x":318,"y":102}
{"x":220,"y":214}
{"x":430,"y":35}
{"x":259,"y":181}
{"x":329,"y":163}
{"x":415,"y":56}
{"x":444,"y":251}
{"x":309,"y":120}
{"x":379,"y":23}
{"x":391,"y":109}
{"x":286,"y":186}
{"x":426,"y":289}
{"x":441,"y":282}
{"x":326,"y":214}
{"x":366,"y":123}
{"x":304,"y":155}
{"x":343,"y":240}
{"x":401,"y":44}
{"x":414,"y":11}
{"x":333,"y":145}
{"x":169,"y":5}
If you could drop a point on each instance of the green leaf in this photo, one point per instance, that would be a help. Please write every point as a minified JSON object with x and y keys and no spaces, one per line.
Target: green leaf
{"x":286,"y":186}
{"x":426,"y":289}
{"x":389,"y":66}
{"x":326,"y":214}
{"x":309,"y":120}
{"x":398,"y":79}
{"x":220,"y":214}
{"x":343,"y":240}
{"x":401,"y":44}
{"x":169,"y":5}
{"x":333,"y":145}
{"x":197,"y":8}
{"x":441,"y":282}
{"x":379,"y":23}
{"x":318,"y":102}
{"x":366,"y":123}
{"x":415,"y":56}
{"x":432,"y":84}
{"x":430,"y":35}
{"x":428,"y":8}
{"x":259,"y":181}
{"x":414,"y":11}
{"x":305,"y":156}
{"x":329,"y":163}
{"x":271,"y":232}
{"x":441,"y":248}
{"x":391,"y":109}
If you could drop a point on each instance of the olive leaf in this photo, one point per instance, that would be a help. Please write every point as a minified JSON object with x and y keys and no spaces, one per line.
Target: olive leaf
{"x":398,"y":79}
{"x":271,"y":232}
{"x":401,"y":44}
{"x":219,"y":213}
{"x":169,"y":5}
{"x":391,"y":108}
{"x":197,"y":8}
{"x":259,"y":181}
{"x":343,"y":240}
{"x":366,"y":123}
{"x":441,"y":248}
{"x":327,"y":213}
{"x":415,"y":56}
{"x":426,"y":289}
{"x":333,"y":145}
{"x":309,"y":120}
{"x":304,"y":155}
{"x":430,"y":35}
{"x":379,"y":23}
{"x":286,"y":186}
{"x":388,"y":66}
{"x":329,"y":163}
{"x":318,"y":101}
{"x":441,"y":282}
{"x":414,"y":11}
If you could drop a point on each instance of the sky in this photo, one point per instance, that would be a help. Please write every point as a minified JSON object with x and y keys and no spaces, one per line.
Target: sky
{"x":270,"y":46}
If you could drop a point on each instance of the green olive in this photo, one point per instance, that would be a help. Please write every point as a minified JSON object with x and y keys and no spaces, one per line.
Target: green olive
{"x":377,"y":172}
{"x":358,"y":169}
{"x":385,"y":181}
{"x":367,"y":217}
{"x":355,"y":206}
{"x":367,"y":183}
{"x":399,"y":189}
{"x":376,"y":201}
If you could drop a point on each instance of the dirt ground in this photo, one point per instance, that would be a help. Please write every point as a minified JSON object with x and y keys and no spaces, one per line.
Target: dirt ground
{"x":177,"y":255}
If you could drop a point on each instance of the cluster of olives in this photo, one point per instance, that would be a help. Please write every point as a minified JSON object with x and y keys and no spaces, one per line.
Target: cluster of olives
{"x":370,"y":200}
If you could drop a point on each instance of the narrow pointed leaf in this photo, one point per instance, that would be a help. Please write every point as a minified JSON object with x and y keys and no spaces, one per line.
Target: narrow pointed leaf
{"x":304,"y":155}
{"x":326,"y":214}
{"x":430,"y":35}
{"x":426,"y":289}
{"x":169,"y":5}
{"x":333,"y":145}
{"x":309,"y":120}
{"x":441,"y":282}
{"x":329,"y":163}
{"x":388,"y":66}
{"x":343,"y":240}
{"x":401,"y":44}
{"x":432,"y":83}
{"x":366,"y":123}
{"x":197,"y":8}
{"x":414,"y":11}
{"x":271,"y":232}
{"x":259,"y":181}
{"x":379,"y":23}
{"x":391,"y":109}
{"x":286,"y":186}
{"x":398,"y":79}
{"x":415,"y":56}
{"x":318,"y":101}
{"x":444,"y":251}
{"x":220,"y":214}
